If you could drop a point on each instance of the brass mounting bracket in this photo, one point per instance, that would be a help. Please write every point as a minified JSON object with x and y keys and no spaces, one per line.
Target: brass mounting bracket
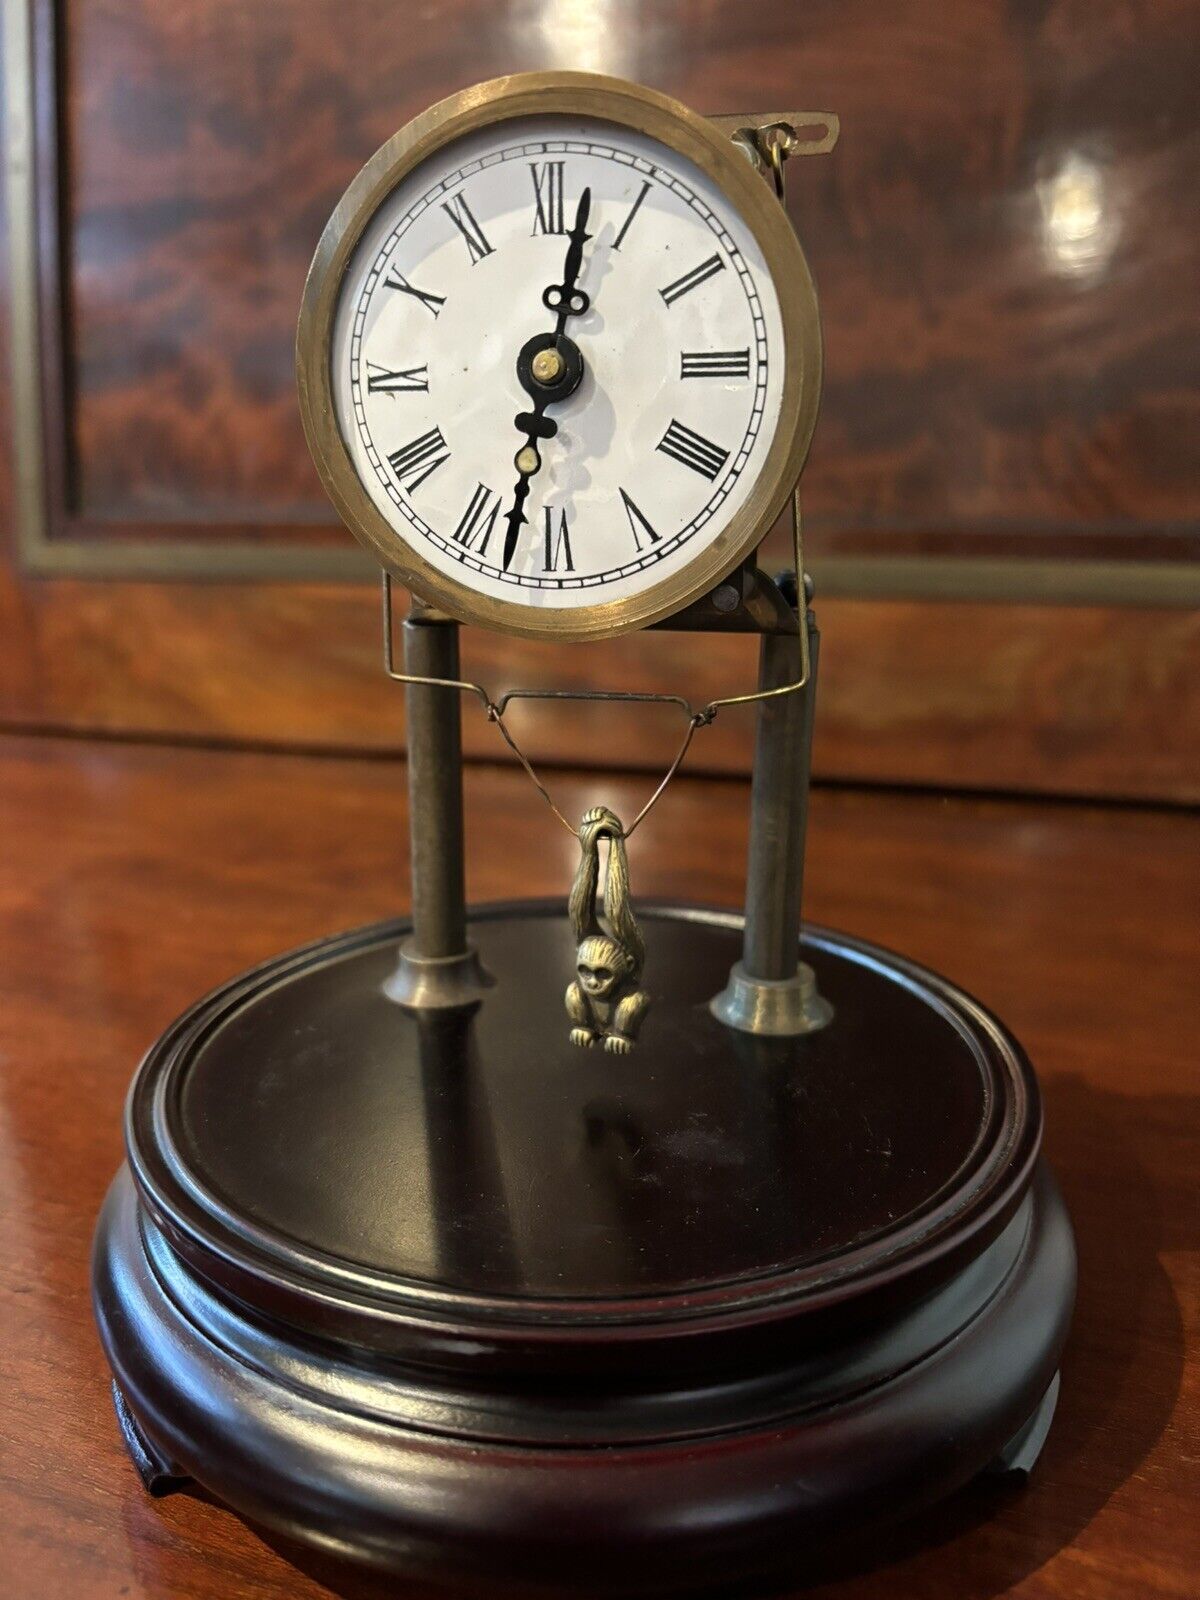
{"x":771,"y":137}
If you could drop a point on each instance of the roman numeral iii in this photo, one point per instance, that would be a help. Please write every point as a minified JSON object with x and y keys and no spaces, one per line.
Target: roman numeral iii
{"x":547,"y":196}
{"x":411,"y":380}
{"x":414,"y":462}
{"x":461,"y":216}
{"x":478,"y":520}
{"x":692,"y":280}
{"x":714,"y":364}
{"x":431,"y":302}
{"x":693,"y":450}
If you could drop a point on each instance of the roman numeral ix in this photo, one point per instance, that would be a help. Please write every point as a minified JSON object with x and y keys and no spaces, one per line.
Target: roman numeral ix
{"x":714,"y":364}
{"x":692,"y":280}
{"x":693,"y":450}
{"x":461,"y":216}
{"x":561,"y":545}
{"x":478,"y":520}
{"x":411,"y":380}
{"x":431,"y":302}
{"x":413,"y":463}
{"x":547,"y":196}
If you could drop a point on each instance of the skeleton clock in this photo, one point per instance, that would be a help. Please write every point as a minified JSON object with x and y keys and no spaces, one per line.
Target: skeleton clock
{"x":586,"y":1244}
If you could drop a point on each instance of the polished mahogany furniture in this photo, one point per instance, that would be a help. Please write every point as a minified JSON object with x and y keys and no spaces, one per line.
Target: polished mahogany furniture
{"x":140,"y":875}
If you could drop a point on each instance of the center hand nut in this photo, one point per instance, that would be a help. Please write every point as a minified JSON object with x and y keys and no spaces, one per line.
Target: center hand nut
{"x":547,"y":366}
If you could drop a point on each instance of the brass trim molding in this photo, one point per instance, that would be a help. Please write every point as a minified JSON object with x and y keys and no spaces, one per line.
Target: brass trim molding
{"x":981,"y":578}
{"x":966,"y":579}
{"x":24,"y":322}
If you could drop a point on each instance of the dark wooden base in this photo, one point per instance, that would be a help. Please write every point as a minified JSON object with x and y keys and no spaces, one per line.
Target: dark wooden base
{"x":456,"y":1299}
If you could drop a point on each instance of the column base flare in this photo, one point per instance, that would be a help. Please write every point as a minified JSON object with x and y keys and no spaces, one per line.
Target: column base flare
{"x":772,"y":1007}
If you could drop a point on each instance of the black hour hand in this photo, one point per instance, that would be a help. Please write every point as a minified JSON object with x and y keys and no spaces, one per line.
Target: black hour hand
{"x":515,"y":518}
{"x":536,"y":425}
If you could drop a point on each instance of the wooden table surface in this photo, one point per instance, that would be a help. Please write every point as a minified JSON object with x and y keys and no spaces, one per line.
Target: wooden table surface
{"x":136,"y":877}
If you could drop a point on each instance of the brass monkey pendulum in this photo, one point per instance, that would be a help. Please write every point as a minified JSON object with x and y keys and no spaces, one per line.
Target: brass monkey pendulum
{"x":604,"y":1001}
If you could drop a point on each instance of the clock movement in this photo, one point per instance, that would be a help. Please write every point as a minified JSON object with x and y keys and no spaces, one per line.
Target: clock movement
{"x":592,"y":1244}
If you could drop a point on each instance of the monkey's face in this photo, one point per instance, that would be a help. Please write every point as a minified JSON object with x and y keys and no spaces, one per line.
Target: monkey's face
{"x":601,"y":964}
{"x":597,"y":980}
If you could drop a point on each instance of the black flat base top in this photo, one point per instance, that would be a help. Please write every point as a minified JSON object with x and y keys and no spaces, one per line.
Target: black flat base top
{"x":304,"y":1111}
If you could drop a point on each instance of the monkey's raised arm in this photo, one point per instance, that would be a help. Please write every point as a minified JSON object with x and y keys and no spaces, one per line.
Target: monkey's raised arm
{"x":618,"y":908}
{"x":581,"y":907}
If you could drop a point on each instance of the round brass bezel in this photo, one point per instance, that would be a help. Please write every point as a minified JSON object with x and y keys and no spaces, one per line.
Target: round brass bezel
{"x":627,"y":105}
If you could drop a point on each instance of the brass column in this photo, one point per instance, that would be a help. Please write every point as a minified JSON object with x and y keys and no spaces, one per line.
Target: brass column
{"x":438,"y":967}
{"x":770,"y":990}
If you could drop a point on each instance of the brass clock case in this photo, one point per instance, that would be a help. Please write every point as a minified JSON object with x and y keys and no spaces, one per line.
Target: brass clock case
{"x":645,"y":111}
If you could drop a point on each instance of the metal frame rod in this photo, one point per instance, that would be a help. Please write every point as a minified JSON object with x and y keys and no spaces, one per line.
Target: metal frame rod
{"x":803,"y":776}
{"x":771,"y":991}
{"x":437,"y":969}
{"x":435,"y":792}
{"x":778,"y":806}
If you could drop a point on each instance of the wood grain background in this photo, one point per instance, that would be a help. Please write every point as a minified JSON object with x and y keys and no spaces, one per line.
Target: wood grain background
{"x":989,"y":378}
{"x":1003,"y":243}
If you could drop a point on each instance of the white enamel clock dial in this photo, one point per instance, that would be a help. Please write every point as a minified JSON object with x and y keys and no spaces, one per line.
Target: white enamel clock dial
{"x":515,"y":502}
